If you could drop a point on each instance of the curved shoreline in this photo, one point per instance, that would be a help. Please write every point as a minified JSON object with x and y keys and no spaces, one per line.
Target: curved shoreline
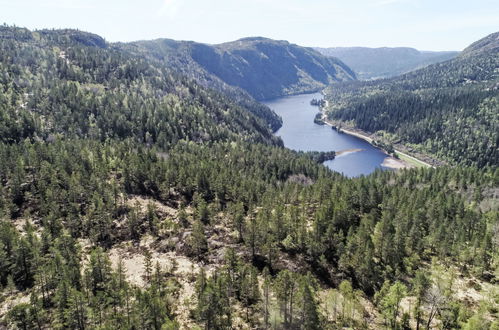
{"x":370,"y":140}
{"x":390,"y":161}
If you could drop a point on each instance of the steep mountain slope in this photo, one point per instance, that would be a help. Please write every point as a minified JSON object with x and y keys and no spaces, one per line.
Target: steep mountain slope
{"x":175,"y":55}
{"x":135,"y":198}
{"x":489,"y":43}
{"x":74,"y":84}
{"x":263,"y":67}
{"x":448,"y":110}
{"x":385,"y":62}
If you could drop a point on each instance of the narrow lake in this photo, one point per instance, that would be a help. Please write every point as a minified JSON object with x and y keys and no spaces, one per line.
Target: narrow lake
{"x":299,"y":132}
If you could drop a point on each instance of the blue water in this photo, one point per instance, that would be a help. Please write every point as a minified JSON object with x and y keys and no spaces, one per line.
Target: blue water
{"x":299,"y":132}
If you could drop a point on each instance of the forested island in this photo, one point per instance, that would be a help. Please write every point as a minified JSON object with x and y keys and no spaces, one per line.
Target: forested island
{"x":133,"y":196}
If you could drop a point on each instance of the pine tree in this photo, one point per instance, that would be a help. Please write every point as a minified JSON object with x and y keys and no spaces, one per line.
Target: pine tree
{"x":347,"y":292}
{"x":309,"y":313}
{"x":75,"y":313}
{"x":266,"y":296}
{"x":20,"y":316}
{"x":390,"y":303}
{"x":202,"y":212}
{"x":147,"y":266}
{"x":420,"y":284}
{"x":285,"y":289}
{"x":238,"y":220}
{"x":152,"y":219}
{"x":197,"y":240}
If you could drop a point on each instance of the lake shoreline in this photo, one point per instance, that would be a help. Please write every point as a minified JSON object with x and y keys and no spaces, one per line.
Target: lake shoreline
{"x":354,"y":156}
{"x":396,"y":164}
{"x":390,"y":161}
{"x":398,"y":152}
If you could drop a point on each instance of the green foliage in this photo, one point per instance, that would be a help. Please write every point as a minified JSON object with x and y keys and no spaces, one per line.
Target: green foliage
{"x":389,"y":298}
{"x":448,"y":109}
{"x":262,"y":67}
{"x":97,"y":144}
{"x":60,"y":86}
{"x":197,"y":241}
{"x":309,"y":313}
{"x":23,"y":316}
{"x":411,"y":210}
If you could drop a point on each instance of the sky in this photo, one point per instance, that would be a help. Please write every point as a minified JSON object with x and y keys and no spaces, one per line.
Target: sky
{"x":422,"y":24}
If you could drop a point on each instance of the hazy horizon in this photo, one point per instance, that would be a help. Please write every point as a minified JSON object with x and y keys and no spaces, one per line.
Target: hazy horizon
{"x":420,"y":24}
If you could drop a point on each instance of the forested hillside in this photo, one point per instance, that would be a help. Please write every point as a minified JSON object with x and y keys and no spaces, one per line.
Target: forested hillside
{"x":175,"y":55}
{"x":265,"y":68}
{"x":448,"y":110}
{"x":134,"y":198}
{"x":73,"y":84}
{"x":215,"y":221}
{"x":385,"y":62}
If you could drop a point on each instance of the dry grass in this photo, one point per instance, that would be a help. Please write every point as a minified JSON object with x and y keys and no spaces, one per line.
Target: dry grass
{"x":10,"y":300}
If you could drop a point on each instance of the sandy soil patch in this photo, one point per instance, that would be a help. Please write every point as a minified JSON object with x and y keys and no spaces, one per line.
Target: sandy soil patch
{"x":133,"y":261}
{"x":143,"y":202}
{"x":185,"y":273}
{"x":347,"y":152}
{"x":394,"y":163}
{"x":11,"y":301}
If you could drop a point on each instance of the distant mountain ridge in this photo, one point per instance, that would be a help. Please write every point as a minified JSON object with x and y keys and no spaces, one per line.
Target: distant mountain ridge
{"x":385,"y":62}
{"x":263,"y":67}
{"x":133,"y":197}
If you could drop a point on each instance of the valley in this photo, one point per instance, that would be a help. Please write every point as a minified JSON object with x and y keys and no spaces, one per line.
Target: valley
{"x":299,"y":132}
{"x":385,"y":62}
{"x":163,"y":184}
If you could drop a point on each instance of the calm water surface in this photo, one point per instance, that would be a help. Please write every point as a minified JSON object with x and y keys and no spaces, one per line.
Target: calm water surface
{"x":299,"y":132}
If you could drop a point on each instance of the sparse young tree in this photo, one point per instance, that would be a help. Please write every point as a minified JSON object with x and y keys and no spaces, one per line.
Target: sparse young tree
{"x":197,"y":240}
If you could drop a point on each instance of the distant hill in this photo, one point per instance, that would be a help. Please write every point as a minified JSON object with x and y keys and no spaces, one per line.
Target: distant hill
{"x":448,"y":109}
{"x":374,"y":63}
{"x":489,"y":43}
{"x":69,"y":83}
{"x":132,"y":197}
{"x":175,"y":55}
{"x":264,"y":68}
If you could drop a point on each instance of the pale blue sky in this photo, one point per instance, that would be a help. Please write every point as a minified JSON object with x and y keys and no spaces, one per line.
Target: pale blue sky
{"x":423,"y":24}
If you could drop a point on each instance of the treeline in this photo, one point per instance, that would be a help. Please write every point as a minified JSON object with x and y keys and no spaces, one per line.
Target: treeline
{"x":166,"y":53}
{"x":367,"y":231}
{"x":448,"y":110}
{"x":320,"y":156}
{"x":53,"y":85}
{"x":225,"y":173}
{"x":86,"y":130}
{"x":262,"y":67}
{"x":318,"y":102}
